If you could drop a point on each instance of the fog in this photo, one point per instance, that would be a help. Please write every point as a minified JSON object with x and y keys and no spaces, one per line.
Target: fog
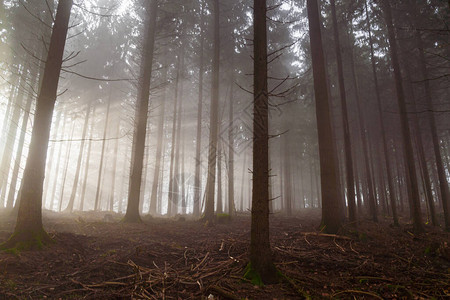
{"x":99,"y":83}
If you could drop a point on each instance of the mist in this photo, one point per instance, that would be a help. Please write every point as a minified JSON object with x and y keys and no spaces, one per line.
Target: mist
{"x":272,"y":129}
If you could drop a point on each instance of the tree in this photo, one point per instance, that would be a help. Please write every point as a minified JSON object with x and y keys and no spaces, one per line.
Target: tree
{"x":331,"y":198}
{"x":86,"y":164}
{"x":350,"y":181}
{"x":20,"y":148}
{"x":172,"y":165}
{"x":29,"y":231}
{"x":80,"y":156}
{"x":213,"y":120}
{"x":97,"y":204}
{"x":260,"y":254}
{"x":137,"y":157}
{"x":381,"y":120}
{"x":156,"y":176}
{"x":405,"y":130}
{"x":9,"y":145}
{"x":197,"y":177}
{"x":443,"y":180}
{"x":231,"y":205}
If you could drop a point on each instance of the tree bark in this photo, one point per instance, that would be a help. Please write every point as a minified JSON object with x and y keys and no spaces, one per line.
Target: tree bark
{"x":382,"y":122}
{"x":50,"y":162}
{"x":213,"y":119}
{"x":328,"y":176}
{"x":156,"y":175}
{"x":20,"y":147}
{"x":86,"y":165}
{"x":405,"y":130}
{"x":97,"y":204}
{"x":80,"y":157}
{"x":137,"y":158}
{"x":171,"y":194}
{"x":29,"y":231}
{"x":443,"y":180}
{"x":350,"y":180}
{"x":56,"y":176}
{"x":11,"y":139}
{"x":219,"y":208}
{"x":231,"y":205}
{"x":241,"y":201}
{"x":114,"y":167}
{"x":260,"y":252}
{"x":66,"y":167}
{"x":144,"y":174}
{"x":198,"y":139}
{"x":177,"y":167}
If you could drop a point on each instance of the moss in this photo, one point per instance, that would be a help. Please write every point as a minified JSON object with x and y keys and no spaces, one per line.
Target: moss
{"x":12,"y":251}
{"x":26,"y":240}
{"x":223,"y":218}
{"x":131,"y":219}
{"x":251,"y":274}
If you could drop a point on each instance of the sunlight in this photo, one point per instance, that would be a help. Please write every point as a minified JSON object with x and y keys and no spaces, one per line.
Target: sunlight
{"x":212,"y":149}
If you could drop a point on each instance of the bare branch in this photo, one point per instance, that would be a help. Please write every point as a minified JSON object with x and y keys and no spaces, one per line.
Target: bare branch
{"x":33,"y":15}
{"x":31,"y":54}
{"x":245,"y":90}
{"x":50,"y":11}
{"x":94,"y":78}
{"x":75,"y":64}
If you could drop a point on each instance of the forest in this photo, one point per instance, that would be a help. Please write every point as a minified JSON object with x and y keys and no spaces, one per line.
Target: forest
{"x":224,"y":149}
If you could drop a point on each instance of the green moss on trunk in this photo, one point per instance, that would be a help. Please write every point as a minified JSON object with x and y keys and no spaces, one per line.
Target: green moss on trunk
{"x":26,"y":240}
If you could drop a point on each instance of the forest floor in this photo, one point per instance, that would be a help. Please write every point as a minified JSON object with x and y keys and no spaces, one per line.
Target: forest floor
{"x":96,"y":257}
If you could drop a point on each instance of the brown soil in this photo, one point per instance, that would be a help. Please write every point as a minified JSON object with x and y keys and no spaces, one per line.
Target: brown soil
{"x":96,"y":257}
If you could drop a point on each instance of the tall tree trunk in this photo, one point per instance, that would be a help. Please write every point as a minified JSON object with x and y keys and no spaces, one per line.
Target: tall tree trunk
{"x":350,"y":180}
{"x":11,"y":139}
{"x":183,"y":177}
{"x":161,"y":185}
{"x":80,"y":157}
{"x":231,"y":205}
{"x":287,"y":180}
{"x":171,"y":195}
{"x":97,"y":204}
{"x":29,"y":231}
{"x":177,"y":167}
{"x":15,"y":173}
{"x":281,"y":181}
{"x":328,"y":176}
{"x":56,"y":176}
{"x":382,"y":123}
{"x":12,"y":94}
{"x":422,"y":161}
{"x":406,"y":134}
{"x":50,"y":161}
{"x":260,"y":253}
{"x":241,"y":201}
{"x":198,"y":139}
{"x":137,"y":158}
{"x":213,"y":119}
{"x":443,"y":180}
{"x":86,"y":165}
{"x":144,"y":174}
{"x":160,"y":137}
{"x":66,"y":167}
{"x":114,"y":167}
{"x":219,"y":208}
{"x":365,"y":148}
